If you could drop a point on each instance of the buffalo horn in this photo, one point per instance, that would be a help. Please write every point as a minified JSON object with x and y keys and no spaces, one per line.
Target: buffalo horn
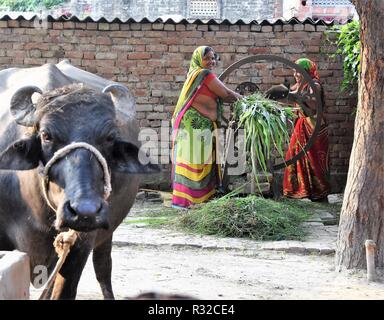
{"x":22,"y":108}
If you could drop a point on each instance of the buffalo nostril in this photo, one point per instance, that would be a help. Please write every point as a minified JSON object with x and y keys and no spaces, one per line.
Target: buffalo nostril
{"x":86,"y":208}
{"x":85,"y":215}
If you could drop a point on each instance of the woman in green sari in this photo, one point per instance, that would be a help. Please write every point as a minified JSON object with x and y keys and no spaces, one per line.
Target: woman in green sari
{"x":195,"y":173}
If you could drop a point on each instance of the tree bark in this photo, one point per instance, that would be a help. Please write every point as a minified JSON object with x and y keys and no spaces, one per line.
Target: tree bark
{"x":362,"y":213}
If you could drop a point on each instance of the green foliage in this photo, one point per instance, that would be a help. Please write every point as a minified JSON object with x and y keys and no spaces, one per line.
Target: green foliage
{"x":29,"y":5}
{"x":348,"y":46}
{"x":265,"y":124}
{"x":251,"y":217}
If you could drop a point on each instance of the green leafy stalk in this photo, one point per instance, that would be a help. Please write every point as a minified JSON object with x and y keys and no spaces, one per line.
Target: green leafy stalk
{"x":265,"y":124}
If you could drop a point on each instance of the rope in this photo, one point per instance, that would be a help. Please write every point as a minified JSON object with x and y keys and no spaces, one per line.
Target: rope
{"x":63,"y":152}
{"x":63,"y":243}
{"x":65,"y":240}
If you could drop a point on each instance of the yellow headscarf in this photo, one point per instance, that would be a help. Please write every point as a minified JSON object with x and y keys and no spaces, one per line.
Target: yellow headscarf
{"x":194,"y":78}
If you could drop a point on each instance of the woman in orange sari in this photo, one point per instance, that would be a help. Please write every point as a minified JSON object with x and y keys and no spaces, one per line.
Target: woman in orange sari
{"x":195,"y":173}
{"x":309,"y":176}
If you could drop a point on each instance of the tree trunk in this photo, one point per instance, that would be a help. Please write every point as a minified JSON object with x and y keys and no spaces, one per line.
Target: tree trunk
{"x":362,"y":213}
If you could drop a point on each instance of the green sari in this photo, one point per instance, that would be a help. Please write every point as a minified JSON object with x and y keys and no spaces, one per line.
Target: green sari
{"x":195,"y":174}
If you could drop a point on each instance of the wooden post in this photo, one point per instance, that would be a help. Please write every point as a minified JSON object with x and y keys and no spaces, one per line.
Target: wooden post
{"x":253,"y":184}
{"x":253,"y":171}
{"x":370,"y":247}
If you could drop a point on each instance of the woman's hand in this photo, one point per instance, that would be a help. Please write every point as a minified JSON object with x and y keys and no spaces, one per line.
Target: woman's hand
{"x":237,"y":96}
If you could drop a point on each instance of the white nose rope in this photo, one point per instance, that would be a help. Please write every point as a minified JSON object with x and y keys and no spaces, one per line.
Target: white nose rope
{"x":65,"y":240}
{"x":63,"y":152}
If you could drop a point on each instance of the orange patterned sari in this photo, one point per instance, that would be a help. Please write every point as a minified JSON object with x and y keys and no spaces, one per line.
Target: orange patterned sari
{"x":309,"y":176}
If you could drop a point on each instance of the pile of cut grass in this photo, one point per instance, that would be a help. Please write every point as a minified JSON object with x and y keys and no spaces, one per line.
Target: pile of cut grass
{"x":251,"y":217}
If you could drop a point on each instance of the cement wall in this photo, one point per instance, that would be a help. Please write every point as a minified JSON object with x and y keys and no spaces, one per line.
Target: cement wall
{"x":14,"y":275}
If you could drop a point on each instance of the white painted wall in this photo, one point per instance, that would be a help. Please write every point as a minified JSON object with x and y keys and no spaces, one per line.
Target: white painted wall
{"x":289,"y":8}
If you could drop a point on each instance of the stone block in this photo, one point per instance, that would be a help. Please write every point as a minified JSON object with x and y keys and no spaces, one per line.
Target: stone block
{"x":335,"y":198}
{"x":14,"y":275}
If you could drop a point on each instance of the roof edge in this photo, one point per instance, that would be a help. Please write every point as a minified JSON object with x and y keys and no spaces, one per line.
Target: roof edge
{"x":28,"y":16}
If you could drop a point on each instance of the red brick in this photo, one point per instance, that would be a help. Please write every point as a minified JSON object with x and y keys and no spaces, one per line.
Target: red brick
{"x":26,"y":24}
{"x":91,"y":26}
{"x":103,"y":26}
{"x":57,"y":25}
{"x":277,"y":28}
{"x":103,"y":40}
{"x":287,"y":27}
{"x":169,"y":27}
{"x":298,"y":35}
{"x":146,"y":70}
{"x":114,"y":26}
{"x":262,"y":50}
{"x":31,"y":61}
{"x":13,"y":24}
{"x":74,"y":54}
{"x":69,"y":25}
{"x":180,"y":27}
{"x":298,"y":27}
{"x":241,"y":42}
{"x":245,"y":28}
{"x":156,"y":48}
{"x":256,"y":28}
{"x":80,"y":25}
{"x":170,"y":41}
{"x":119,"y":34}
{"x":139,"y":55}
{"x":158,"y":26}
{"x":266,"y":29}
{"x":175,"y":71}
{"x":108,"y":71}
{"x":106,"y":55}
{"x":211,"y":27}
{"x":309,"y":27}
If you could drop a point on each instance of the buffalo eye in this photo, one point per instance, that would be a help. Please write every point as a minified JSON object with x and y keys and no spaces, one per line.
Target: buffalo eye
{"x":45,"y":136}
{"x":111,"y":137}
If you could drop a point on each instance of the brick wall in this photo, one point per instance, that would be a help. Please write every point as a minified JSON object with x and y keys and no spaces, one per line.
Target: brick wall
{"x":152,"y":60}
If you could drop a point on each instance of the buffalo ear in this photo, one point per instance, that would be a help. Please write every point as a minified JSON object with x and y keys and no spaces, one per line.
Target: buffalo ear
{"x":128,"y":158}
{"x":24,"y":154}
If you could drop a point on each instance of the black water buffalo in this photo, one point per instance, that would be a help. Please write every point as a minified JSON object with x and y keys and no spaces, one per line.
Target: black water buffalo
{"x":43,"y":111}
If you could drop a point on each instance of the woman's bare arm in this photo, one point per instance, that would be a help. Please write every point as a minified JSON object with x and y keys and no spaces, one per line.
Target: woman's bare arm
{"x":307,"y":102}
{"x":219,"y":88}
{"x":310,"y":101}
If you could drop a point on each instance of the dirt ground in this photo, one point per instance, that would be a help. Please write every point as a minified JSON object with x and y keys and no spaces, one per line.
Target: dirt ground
{"x":228,"y":274}
{"x":204,"y":267}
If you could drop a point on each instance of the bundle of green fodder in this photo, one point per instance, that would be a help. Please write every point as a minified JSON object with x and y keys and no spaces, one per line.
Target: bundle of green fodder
{"x":250,"y":217}
{"x":266,"y":125}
